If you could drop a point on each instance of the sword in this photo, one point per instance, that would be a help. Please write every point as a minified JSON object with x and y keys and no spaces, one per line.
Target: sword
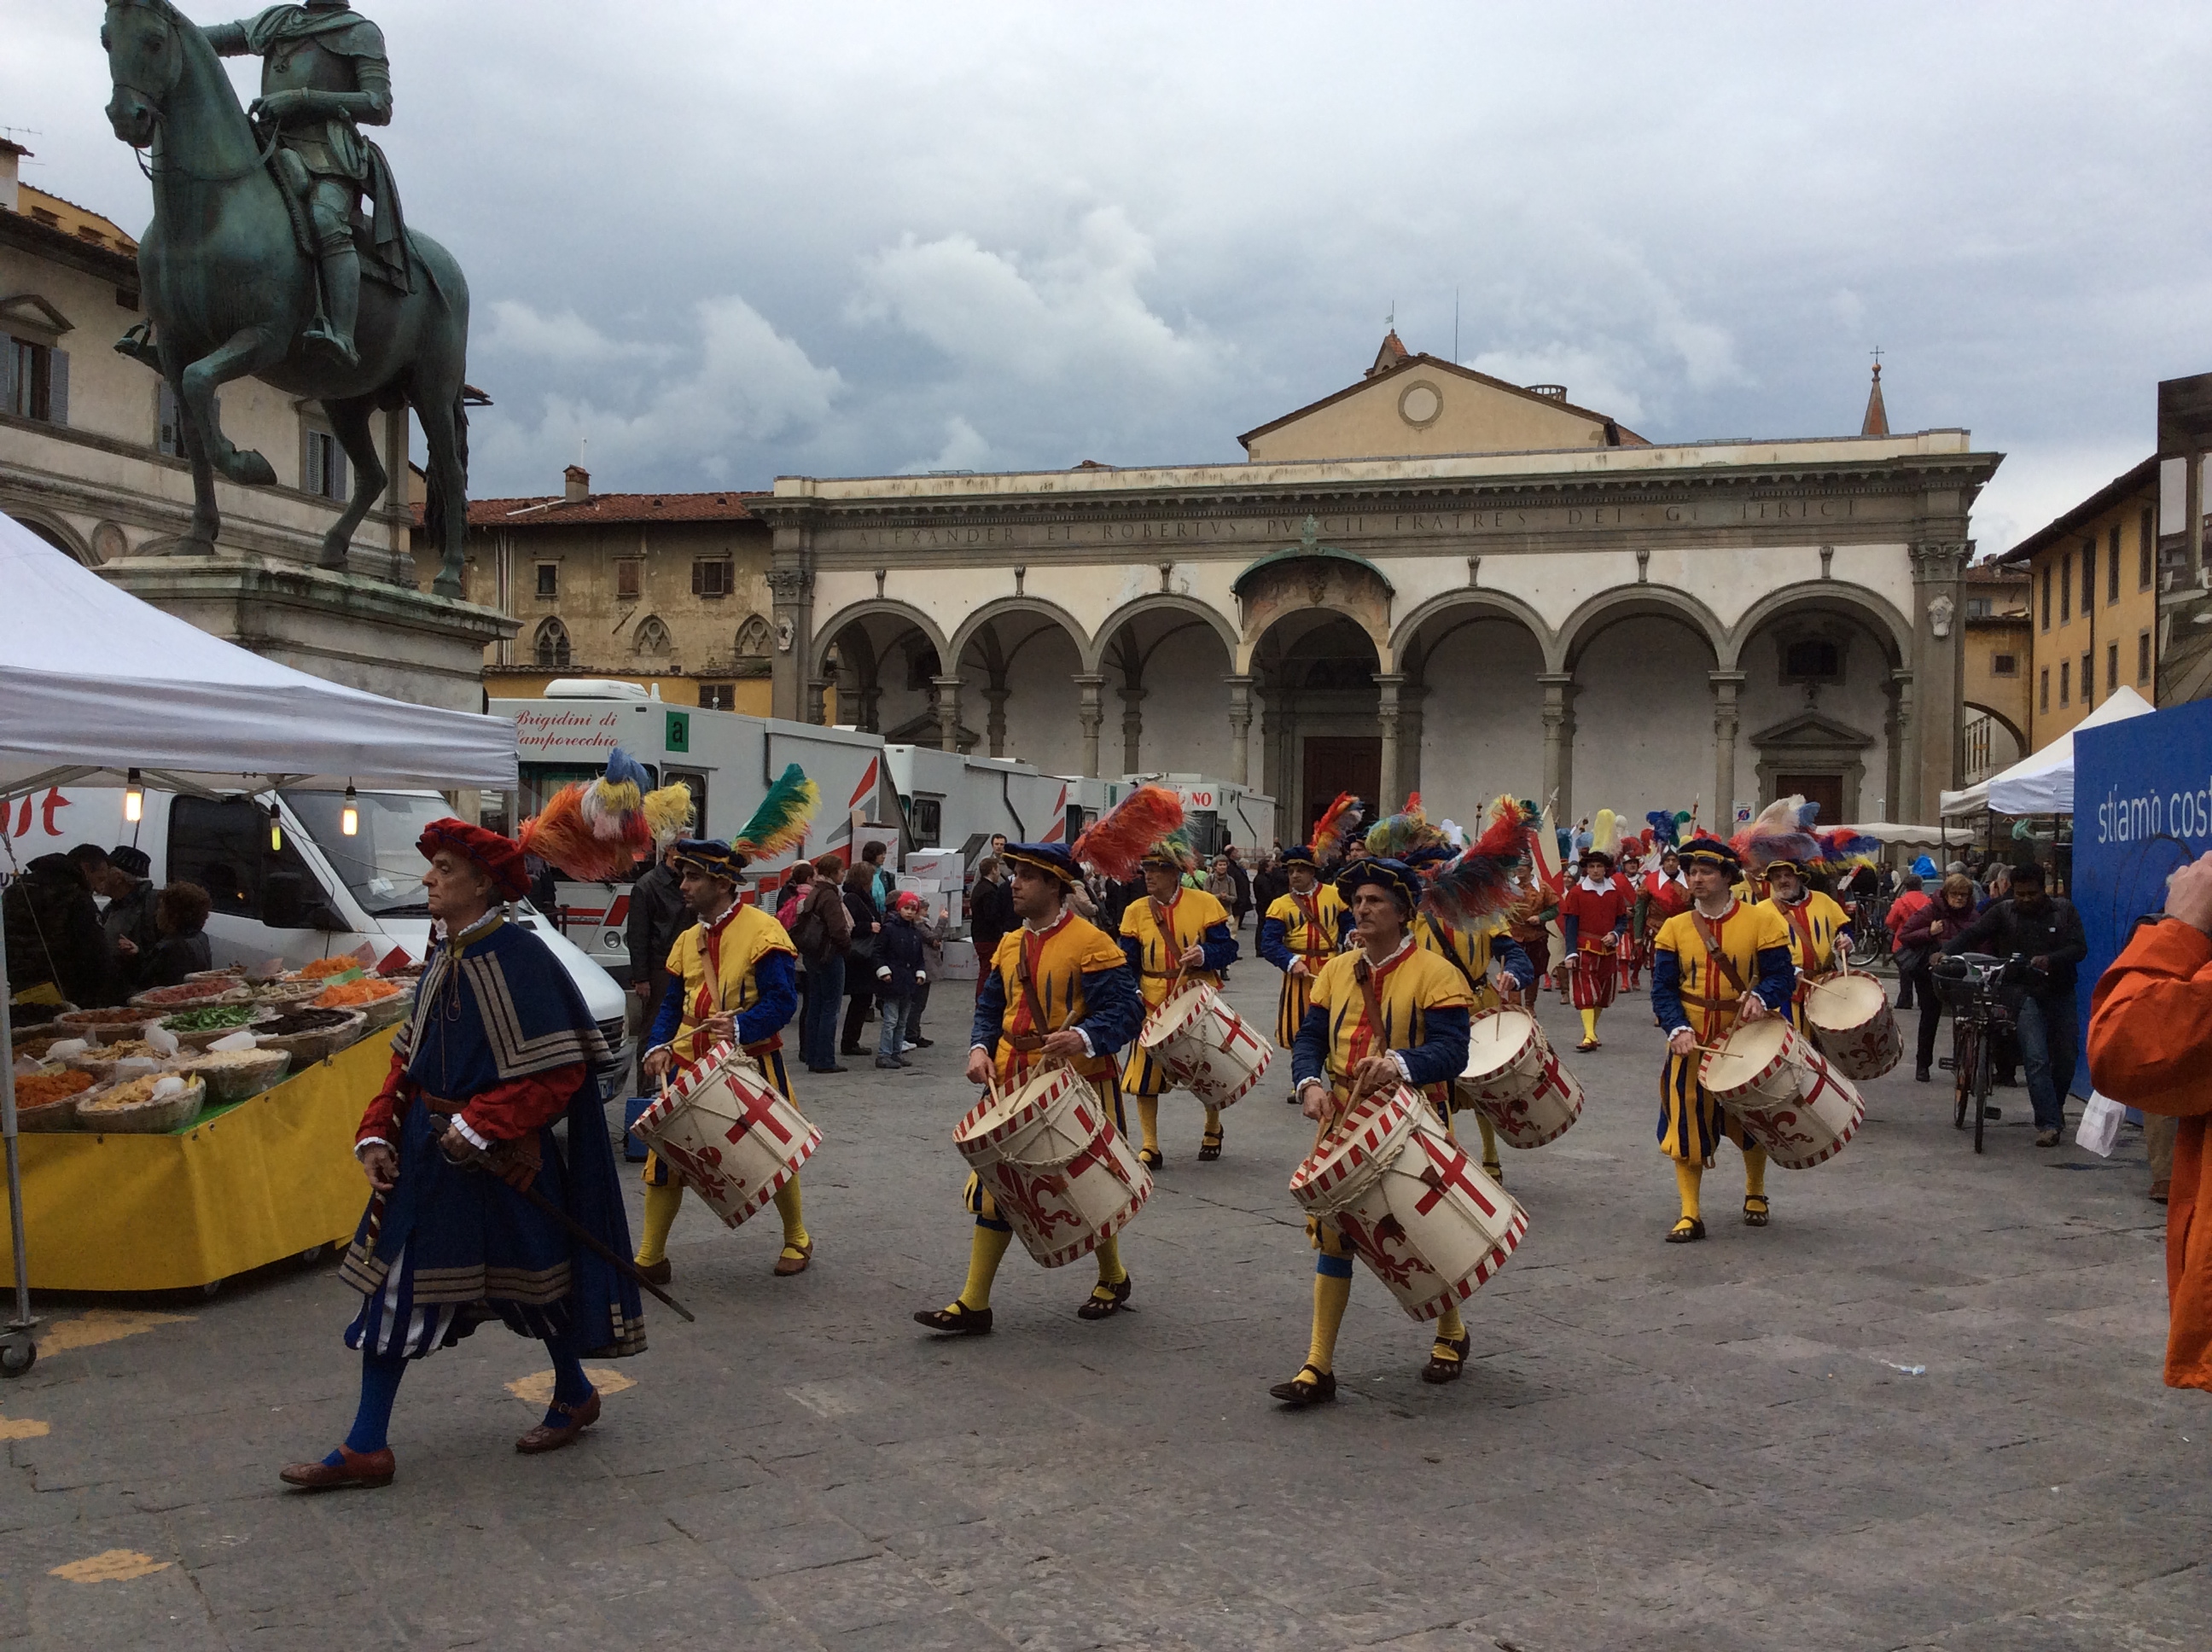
{"x":439,"y":1125}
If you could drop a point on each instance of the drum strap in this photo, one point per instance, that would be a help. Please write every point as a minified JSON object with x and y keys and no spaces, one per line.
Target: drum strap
{"x":1714,"y":957}
{"x":1034,"y":1040}
{"x":1478,"y":984}
{"x":1378,"y":1029}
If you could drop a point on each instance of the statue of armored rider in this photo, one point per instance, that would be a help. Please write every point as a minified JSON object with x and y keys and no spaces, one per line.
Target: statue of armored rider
{"x":324,"y":75}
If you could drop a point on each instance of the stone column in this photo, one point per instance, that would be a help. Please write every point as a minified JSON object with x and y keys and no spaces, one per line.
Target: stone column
{"x":396,"y":505}
{"x":1726,"y":686}
{"x":1410,"y":699}
{"x":1239,"y":729}
{"x":1939,"y":667}
{"x":1091,"y":712}
{"x":1132,"y":730}
{"x":1387,"y":684}
{"x":948,"y":712}
{"x":817,"y":699}
{"x":995,"y":724}
{"x":1896,"y":722}
{"x":791,"y":585}
{"x":1559,"y":743}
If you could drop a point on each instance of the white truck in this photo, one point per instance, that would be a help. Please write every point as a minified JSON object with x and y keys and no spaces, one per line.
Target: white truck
{"x":955,"y":802}
{"x":727,"y":758}
{"x":1219,"y":812}
{"x":300,"y":887}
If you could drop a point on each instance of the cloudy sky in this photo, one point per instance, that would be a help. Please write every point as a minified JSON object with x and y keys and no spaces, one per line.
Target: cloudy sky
{"x":712,"y":243}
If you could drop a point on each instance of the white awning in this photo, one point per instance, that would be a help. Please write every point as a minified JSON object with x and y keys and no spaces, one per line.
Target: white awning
{"x":95,"y":683}
{"x":2042,"y":783}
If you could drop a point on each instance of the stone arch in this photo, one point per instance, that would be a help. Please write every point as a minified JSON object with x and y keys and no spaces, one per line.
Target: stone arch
{"x":1874,"y":613}
{"x":549,"y":646}
{"x":651,"y":638}
{"x":1608,"y":608}
{"x":57,"y":533}
{"x":826,"y":633}
{"x":1000,"y":607}
{"x":1095,"y":651}
{"x":862,"y":650}
{"x":2018,"y":733}
{"x":1471,"y":708}
{"x":1478,"y":604}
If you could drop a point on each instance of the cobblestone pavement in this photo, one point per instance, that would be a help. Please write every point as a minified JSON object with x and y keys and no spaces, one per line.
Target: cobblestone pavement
{"x":1923,"y":1409}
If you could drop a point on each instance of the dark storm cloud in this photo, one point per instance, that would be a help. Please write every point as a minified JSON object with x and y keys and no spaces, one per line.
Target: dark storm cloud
{"x":715,"y":243}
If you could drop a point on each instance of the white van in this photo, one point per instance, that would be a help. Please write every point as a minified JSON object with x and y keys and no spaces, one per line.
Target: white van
{"x":304,"y":890}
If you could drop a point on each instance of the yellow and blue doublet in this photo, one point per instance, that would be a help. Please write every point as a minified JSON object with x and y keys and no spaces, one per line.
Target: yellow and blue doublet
{"x":1301,"y":927}
{"x":1699,"y":987}
{"x":1153,"y":937}
{"x":1470,"y":954}
{"x":1816,"y":924}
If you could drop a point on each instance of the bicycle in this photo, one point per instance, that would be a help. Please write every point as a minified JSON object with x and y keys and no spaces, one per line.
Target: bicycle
{"x":1870,"y":936}
{"x":1983,"y":995}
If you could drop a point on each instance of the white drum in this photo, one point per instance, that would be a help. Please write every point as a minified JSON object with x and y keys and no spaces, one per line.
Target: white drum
{"x":727,"y":1133}
{"x":1205,"y":1045}
{"x":1063,"y":1177}
{"x":1783,"y":1091}
{"x":1419,"y":1212}
{"x":1514,"y":1079}
{"x":1852,"y":1022}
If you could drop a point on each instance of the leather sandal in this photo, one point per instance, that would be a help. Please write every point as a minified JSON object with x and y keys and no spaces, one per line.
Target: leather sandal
{"x":659,"y":1272}
{"x":1441,"y":1369}
{"x":1494,"y":1170}
{"x":1299,"y":1392}
{"x":1587,"y":1044}
{"x":1209,"y":1146}
{"x":1686,"y":1230}
{"x":1150,"y":1157}
{"x":354,"y":1468}
{"x":959,"y":1320}
{"x":547,"y":1437}
{"x":793,"y":1259}
{"x":1754,"y":1210}
{"x":1096,"y":1306}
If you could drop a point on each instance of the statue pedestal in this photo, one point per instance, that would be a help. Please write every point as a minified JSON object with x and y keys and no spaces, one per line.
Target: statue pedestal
{"x":390,"y":640}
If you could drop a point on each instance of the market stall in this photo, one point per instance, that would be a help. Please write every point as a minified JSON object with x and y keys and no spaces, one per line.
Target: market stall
{"x":2041,"y":783}
{"x":95,"y":683}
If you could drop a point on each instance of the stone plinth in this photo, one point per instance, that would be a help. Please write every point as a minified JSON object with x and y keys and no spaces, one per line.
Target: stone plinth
{"x":390,"y":640}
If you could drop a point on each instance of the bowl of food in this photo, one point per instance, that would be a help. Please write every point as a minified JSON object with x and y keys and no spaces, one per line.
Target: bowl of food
{"x":235,"y":1075}
{"x":49,"y":1099}
{"x":193,"y":995}
{"x":151,"y":1106}
{"x":381,"y":1001}
{"x":197,"y":1029}
{"x":323,"y":969}
{"x":282,"y":993}
{"x":307,"y":1035}
{"x":102,"y":1026}
{"x":101,"y":1061}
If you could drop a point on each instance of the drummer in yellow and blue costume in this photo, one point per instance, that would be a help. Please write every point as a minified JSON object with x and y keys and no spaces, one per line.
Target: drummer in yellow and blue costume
{"x":1299,"y":932}
{"x":735,"y":979}
{"x":1175,"y":931}
{"x":1471,"y":953}
{"x":1058,"y":987}
{"x":1341,"y":1057}
{"x":1699,"y":993}
{"x":1780,"y":848}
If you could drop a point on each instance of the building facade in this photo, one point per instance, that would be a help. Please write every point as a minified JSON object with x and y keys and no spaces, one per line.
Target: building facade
{"x":2093,"y":578}
{"x":1559,"y":609}
{"x":667,"y":590}
{"x":1998,"y":689}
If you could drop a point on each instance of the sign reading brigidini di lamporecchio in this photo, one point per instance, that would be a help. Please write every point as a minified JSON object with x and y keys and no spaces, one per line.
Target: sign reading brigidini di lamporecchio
{"x":2142,"y":810}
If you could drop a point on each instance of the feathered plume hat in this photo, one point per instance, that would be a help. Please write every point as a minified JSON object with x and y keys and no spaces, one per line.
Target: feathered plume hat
{"x":1331,"y":833}
{"x":1484,"y":883}
{"x":778,"y":824}
{"x":1408,"y":836}
{"x":1843,"y":849}
{"x":1126,"y":835}
{"x":597,"y":829}
{"x":1781,"y":835}
{"x":1605,"y":840}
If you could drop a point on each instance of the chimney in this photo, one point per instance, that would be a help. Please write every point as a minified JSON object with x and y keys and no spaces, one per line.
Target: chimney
{"x":10,"y":182}
{"x":578,"y":481}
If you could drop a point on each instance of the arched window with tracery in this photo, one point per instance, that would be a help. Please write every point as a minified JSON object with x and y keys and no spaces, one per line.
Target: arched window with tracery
{"x":651,"y":637}
{"x":552,"y":645}
{"x":755,"y":638}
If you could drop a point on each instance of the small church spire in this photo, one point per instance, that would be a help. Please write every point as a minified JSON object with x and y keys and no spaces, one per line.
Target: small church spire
{"x":1877,"y":422}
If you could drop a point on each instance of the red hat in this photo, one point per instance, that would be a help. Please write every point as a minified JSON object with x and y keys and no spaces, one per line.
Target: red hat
{"x":500,"y":858}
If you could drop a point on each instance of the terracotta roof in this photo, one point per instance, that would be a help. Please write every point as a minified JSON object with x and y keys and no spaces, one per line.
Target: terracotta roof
{"x":553,"y":510}
{"x":2144,"y":476}
{"x":1627,"y":438}
{"x":1393,"y":351}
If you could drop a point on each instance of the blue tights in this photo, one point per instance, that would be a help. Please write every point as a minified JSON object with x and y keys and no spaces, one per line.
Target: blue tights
{"x":379,"y":1387}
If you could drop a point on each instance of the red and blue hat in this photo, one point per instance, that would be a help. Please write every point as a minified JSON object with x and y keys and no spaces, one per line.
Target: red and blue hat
{"x":710,"y":855}
{"x":1396,"y":876}
{"x":1052,"y":858}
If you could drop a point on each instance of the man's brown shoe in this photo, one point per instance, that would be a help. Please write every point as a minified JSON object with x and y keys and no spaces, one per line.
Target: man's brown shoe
{"x":546,"y":1437}
{"x":362,"y":1468}
{"x":659,"y":1273}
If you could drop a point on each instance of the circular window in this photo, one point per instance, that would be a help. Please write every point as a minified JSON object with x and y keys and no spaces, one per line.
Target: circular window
{"x":1420,"y":404}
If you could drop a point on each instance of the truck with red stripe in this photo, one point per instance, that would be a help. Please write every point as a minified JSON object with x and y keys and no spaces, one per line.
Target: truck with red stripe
{"x":728,"y":760}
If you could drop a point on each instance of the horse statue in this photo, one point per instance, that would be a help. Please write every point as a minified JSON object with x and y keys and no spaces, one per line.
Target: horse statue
{"x":231,"y":290}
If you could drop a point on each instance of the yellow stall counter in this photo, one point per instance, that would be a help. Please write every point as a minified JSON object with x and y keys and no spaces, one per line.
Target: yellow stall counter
{"x":270,"y":1178}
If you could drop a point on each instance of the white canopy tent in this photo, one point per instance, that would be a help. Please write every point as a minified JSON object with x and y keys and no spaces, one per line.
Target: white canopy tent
{"x":1900,"y":835}
{"x":2042,"y":783}
{"x":95,"y":683}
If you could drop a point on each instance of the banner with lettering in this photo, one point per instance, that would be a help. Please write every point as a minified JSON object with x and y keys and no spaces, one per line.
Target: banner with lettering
{"x":2142,"y":808}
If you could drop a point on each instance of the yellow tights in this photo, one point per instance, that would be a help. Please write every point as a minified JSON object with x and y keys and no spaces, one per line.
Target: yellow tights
{"x":1148,"y":1122}
{"x":987,"y":1249}
{"x":1332,"y":1292}
{"x":1589,"y":1025}
{"x":662,"y":1202}
{"x":1689,"y":1174}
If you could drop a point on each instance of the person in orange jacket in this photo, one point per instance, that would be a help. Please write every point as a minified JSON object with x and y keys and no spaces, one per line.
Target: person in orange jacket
{"x":2148,"y":1048}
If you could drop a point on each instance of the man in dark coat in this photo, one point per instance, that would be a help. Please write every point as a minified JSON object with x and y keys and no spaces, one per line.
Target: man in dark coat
{"x":657,"y":916}
{"x":54,"y":935}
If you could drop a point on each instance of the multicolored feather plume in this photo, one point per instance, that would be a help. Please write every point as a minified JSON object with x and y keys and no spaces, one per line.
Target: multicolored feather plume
{"x":561,"y":835}
{"x":1483,"y":883}
{"x":1665,"y":826}
{"x":1402,"y":835}
{"x":780,"y":821}
{"x":1843,"y":849}
{"x":1115,"y":843}
{"x":1777,"y":834}
{"x":670,"y":813}
{"x":1334,"y":828}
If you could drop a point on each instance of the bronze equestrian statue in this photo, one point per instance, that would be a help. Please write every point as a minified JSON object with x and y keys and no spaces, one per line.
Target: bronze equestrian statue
{"x":260,"y":261}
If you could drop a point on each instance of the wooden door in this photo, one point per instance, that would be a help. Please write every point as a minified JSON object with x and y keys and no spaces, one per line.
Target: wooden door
{"x":1334,"y":764}
{"x":1826,"y":790}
